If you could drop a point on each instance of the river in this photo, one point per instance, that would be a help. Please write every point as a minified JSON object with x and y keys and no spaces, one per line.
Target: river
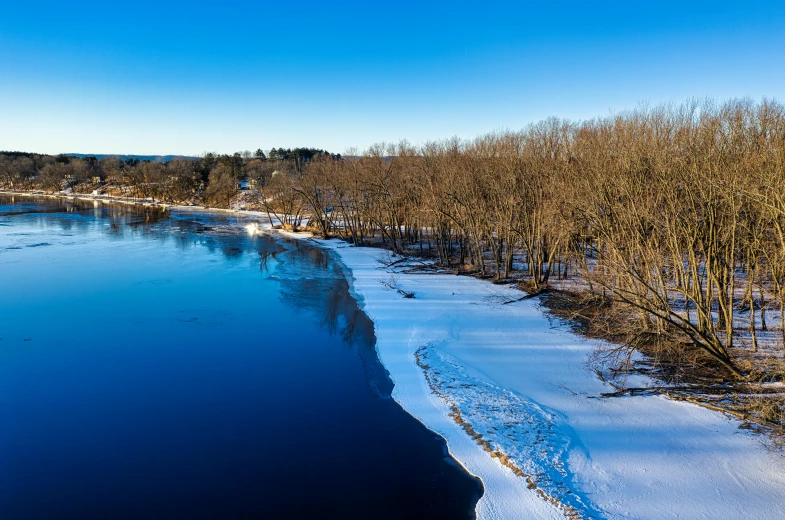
{"x":165,"y":364}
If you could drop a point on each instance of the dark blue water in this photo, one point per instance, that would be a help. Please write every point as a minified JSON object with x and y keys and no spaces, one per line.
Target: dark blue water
{"x":167,"y":365}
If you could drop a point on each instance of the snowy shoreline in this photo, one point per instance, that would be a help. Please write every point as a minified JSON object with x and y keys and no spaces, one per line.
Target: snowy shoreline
{"x":464,"y":363}
{"x":132,"y":201}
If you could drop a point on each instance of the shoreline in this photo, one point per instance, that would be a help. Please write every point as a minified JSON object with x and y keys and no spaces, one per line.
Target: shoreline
{"x":505,"y":494}
{"x":510,"y":393}
{"x":131,"y":201}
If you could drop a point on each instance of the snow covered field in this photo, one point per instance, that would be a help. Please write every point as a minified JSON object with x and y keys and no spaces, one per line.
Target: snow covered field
{"x":510,"y":392}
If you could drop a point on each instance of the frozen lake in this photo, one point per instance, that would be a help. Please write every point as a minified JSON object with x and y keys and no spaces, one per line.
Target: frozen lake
{"x":166,"y":364}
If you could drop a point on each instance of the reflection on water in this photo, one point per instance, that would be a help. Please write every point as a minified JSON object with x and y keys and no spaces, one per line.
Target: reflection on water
{"x":158,"y":364}
{"x":330,"y":299}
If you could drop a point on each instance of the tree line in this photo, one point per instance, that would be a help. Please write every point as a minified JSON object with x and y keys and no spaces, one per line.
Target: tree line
{"x":674,"y":214}
{"x":212,"y":179}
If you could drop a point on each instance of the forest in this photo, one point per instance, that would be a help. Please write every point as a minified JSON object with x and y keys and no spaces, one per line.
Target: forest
{"x":661,"y":229}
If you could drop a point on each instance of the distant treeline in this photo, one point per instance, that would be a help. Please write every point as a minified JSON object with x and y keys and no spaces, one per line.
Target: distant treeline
{"x":159,"y":158}
{"x":212,"y":179}
{"x":673,"y":216}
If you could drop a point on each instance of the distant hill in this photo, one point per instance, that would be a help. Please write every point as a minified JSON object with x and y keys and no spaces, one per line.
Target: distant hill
{"x":158,"y":158}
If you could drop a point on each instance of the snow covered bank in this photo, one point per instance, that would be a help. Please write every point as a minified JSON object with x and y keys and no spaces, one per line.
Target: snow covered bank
{"x":131,"y":201}
{"x":512,"y":396}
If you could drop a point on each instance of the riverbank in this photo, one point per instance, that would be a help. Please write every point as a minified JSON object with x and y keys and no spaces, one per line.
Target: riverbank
{"x":132,"y":201}
{"x":510,"y":392}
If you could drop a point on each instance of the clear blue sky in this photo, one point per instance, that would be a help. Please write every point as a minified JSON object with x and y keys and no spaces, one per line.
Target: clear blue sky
{"x":187,"y":77}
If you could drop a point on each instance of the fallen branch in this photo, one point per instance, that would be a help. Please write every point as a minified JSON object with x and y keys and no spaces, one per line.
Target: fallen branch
{"x":396,"y":262}
{"x":739,"y":415}
{"x":526,"y":297}
{"x":645,"y":390}
{"x":393,"y":284}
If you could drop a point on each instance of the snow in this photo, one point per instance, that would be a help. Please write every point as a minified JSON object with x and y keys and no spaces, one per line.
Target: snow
{"x":521,"y":382}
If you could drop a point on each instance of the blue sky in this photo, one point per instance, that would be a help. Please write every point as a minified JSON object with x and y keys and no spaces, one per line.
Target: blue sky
{"x":187,"y":77}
